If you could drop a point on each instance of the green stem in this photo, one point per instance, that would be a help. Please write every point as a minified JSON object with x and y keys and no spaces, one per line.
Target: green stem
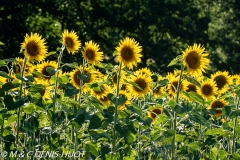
{"x":116,"y":114}
{"x":20,"y":96}
{"x":139,"y":141}
{"x":56,"y":85}
{"x":234,"y":130}
{"x":173,"y":149}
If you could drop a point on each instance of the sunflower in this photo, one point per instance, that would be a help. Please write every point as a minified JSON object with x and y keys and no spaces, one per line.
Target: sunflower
{"x":91,"y":53}
{"x":103,"y":91}
{"x":143,"y":82}
{"x":128,"y":52}
{"x":42,"y":68}
{"x":145,"y":71}
{"x":173,"y":84}
{"x":235,"y":79}
{"x":208,"y":89}
{"x":191,"y":87}
{"x":217,"y":106}
{"x":34,"y":47}
{"x":75,"y":80}
{"x":3,"y":80}
{"x":105,"y":101}
{"x":46,"y":93}
{"x":195,"y":60}
{"x":18,"y":64}
{"x":114,"y":78}
{"x":222,"y":80}
{"x":70,"y":40}
{"x":154,"y":113}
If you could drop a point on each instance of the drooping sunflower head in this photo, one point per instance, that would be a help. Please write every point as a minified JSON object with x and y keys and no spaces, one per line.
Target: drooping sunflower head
{"x":142,"y":86}
{"x":154,"y":113}
{"x":222,"y":79}
{"x":70,"y":40}
{"x":42,"y":68}
{"x":208,"y":89}
{"x":195,"y":60}
{"x":91,"y":53}
{"x":18,"y":65}
{"x":75,"y":80}
{"x":128,"y":52}
{"x":217,"y":106}
{"x":34,"y":47}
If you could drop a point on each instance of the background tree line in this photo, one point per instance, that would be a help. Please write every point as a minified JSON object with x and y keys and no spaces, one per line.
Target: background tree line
{"x":163,"y":27}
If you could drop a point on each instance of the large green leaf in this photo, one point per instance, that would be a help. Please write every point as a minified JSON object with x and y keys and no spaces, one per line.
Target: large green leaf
{"x":11,"y":104}
{"x":37,"y":88}
{"x":195,"y":97}
{"x":95,"y":121}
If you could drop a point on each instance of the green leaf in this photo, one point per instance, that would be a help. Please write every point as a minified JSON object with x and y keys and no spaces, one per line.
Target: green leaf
{"x":79,"y":120}
{"x":135,"y":109}
{"x":51,"y":70}
{"x":198,"y":118}
{"x":195,"y":97}
{"x":1,"y":43}
{"x":8,"y":86}
{"x":25,"y":79}
{"x":4,"y":74}
{"x":11,"y":105}
{"x":215,"y":131}
{"x":193,"y":81}
{"x":172,"y":103}
{"x":134,"y":84}
{"x":95,"y":121}
{"x":118,"y":101}
{"x":84,"y":77}
{"x":2,"y":63}
{"x":175,"y":60}
{"x":92,"y":148}
{"x":2,"y":92}
{"x":226,"y":110}
{"x":37,"y":88}
{"x":234,"y":114}
{"x":162,"y":83}
{"x":51,"y":53}
{"x":70,"y":92}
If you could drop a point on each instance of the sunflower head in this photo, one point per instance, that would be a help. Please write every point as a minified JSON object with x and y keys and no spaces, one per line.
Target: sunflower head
{"x":154,"y":113}
{"x":195,"y":60}
{"x":208,"y":89}
{"x":42,"y":68}
{"x":75,"y":80}
{"x":142,"y":86}
{"x":222,"y":79}
{"x":145,"y":71}
{"x":91,"y":53}
{"x":18,"y":64}
{"x":102,"y":91}
{"x":46,"y":93}
{"x":128,"y":52}
{"x":70,"y":40}
{"x":217,"y":106}
{"x":235,"y":79}
{"x":34,"y":47}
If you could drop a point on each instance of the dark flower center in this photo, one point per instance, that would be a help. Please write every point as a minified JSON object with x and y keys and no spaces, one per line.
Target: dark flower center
{"x":69,"y":42}
{"x":193,"y":60}
{"x":141,"y":83}
{"x":207,"y":89}
{"x":155,"y":112}
{"x":32,"y":48}
{"x":221,"y":81}
{"x":192,"y":87}
{"x":127,"y":53}
{"x":217,"y":105}
{"x":90,"y":54}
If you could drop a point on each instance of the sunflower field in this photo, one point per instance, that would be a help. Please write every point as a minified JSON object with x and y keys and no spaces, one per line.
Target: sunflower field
{"x":103,"y":111}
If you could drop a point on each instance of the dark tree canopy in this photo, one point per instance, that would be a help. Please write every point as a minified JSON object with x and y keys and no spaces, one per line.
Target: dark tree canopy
{"x":163,"y":28}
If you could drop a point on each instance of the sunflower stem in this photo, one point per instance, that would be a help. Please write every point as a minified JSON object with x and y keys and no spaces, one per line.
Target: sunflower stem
{"x":20,"y":96}
{"x":234,"y":130}
{"x":173,"y":149}
{"x":56,"y":84}
{"x":113,"y":151}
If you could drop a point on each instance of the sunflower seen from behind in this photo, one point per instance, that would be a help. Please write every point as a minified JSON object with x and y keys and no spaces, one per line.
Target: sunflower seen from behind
{"x":70,"y":40}
{"x":222,"y":80}
{"x":208,"y":89}
{"x":92,"y":54}
{"x":34,"y":47}
{"x":129,"y":52}
{"x":194,"y":58}
{"x":217,"y":106}
{"x":142,"y":87}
